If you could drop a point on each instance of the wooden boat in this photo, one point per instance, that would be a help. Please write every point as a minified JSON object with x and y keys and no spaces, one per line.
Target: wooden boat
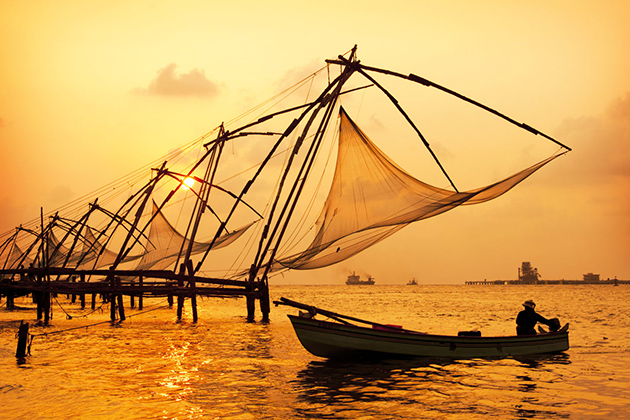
{"x":341,"y":339}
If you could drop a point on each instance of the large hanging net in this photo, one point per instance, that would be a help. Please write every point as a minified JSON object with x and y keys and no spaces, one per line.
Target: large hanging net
{"x":16,"y":258}
{"x":371,"y":198}
{"x":165,"y":243}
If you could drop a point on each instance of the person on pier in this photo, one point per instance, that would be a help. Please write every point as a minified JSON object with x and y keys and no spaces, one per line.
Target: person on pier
{"x":527,"y":319}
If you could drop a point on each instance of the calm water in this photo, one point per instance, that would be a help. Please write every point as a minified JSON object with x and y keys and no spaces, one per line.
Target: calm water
{"x":152,"y":367}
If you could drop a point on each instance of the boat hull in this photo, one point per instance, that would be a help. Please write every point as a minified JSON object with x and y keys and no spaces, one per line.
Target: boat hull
{"x":335,"y":340}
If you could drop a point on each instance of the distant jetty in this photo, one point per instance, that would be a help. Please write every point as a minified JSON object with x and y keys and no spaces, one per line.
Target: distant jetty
{"x":529,"y":275}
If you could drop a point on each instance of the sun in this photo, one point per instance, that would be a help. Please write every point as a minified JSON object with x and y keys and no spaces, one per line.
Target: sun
{"x":188,"y":183}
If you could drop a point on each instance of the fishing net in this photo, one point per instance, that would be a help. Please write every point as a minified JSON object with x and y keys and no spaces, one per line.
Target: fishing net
{"x":162,"y":248}
{"x":372,"y":198}
{"x":165,"y":243}
{"x":16,"y":258}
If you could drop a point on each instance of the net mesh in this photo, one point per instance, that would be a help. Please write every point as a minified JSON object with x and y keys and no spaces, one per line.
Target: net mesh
{"x":371,"y":198}
{"x":165,"y":243}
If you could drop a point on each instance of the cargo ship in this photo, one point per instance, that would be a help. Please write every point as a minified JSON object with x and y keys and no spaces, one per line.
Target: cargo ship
{"x":353,"y":279}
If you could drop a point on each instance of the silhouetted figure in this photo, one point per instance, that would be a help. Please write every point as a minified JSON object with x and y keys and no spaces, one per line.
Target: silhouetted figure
{"x":527,"y":319}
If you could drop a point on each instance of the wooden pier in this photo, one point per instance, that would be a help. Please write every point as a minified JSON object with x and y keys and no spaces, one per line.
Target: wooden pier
{"x":486,"y":282}
{"x":610,"y":282}
{"x":112,"y":285}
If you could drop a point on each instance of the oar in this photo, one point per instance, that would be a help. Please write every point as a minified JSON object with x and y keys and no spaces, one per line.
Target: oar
{"x":313,"y":310}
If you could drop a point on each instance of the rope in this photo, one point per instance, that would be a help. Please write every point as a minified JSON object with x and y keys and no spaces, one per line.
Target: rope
{"x":68,"y":316}
{"x":32,"y":336}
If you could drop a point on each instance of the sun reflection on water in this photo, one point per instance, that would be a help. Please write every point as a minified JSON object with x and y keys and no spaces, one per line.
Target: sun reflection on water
{"x":224,"y":367}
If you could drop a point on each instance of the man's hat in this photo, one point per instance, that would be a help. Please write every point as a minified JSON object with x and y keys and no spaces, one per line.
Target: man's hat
{"x":529,"y":303}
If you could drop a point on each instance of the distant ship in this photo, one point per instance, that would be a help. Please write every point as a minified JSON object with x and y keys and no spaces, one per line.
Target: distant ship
{"x":353,"y":279}
{"x":412,"y":282}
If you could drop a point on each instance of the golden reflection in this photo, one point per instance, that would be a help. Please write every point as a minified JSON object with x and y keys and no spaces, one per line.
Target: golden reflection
{"x":179,"y":381}
{"x":427,"y":388}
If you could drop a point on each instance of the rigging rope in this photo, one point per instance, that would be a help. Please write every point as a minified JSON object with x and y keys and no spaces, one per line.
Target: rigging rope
{"x":32,"y":336}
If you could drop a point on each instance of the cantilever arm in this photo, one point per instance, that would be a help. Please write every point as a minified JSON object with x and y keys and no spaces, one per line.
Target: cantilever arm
{"x":429,"y":83}
{"x":404,"y":114}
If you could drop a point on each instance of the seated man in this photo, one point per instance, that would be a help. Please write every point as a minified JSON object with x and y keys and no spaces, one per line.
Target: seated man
{"x":526,"y":320}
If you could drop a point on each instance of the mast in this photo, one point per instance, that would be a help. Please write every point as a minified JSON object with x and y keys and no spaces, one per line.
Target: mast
{"x":266,"y":257}
{"x":122,"y":254}
{"x":206,"y":186}
{"x":277,"y":225}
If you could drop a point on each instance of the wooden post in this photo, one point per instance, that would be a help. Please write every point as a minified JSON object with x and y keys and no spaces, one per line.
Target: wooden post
{"x":191,"y":283}
{"x":193,"y":301}
{"x":74,"y":295}
{"x":249,"y":297}
{"x":132,"y":299}
{"x":264,"y":301}
{"x":40,"y":297}
{"x":251,"y":307}
{"x":180,"y":304}
{"x":180,"y":297}
{"x":22,"y":340}
{"x":180,"y":307}
{"x":121,"y":307}
{"x":93,"y":304}
{"x":82,"y":295}
{"x":140,"y":295}
{"x":47,"y":311}
{"x":112,"y":298}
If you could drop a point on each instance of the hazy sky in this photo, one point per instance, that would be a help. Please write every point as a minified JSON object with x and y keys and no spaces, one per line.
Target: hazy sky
{"x":91,"y":90}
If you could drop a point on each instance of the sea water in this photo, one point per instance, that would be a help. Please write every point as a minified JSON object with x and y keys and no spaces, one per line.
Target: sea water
{"x":152,"y":367}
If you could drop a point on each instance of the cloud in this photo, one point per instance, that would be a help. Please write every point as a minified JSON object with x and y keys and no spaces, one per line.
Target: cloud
{"x":601,"y":144}
{"x":169,"y":83}
{"x":620,"y":109}
{"x":296,"y":74}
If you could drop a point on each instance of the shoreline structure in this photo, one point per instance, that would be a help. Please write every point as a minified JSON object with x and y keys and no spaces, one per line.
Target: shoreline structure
{"x":529,"y":275}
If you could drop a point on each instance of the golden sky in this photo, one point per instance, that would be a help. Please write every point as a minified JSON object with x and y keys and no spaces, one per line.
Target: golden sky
{"x":91,"y":90}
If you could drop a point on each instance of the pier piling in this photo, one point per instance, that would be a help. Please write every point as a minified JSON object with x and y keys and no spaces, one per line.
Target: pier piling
{"x":22,"y":340}
{"x":114,"y":285}
{"x":140,"y":302}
